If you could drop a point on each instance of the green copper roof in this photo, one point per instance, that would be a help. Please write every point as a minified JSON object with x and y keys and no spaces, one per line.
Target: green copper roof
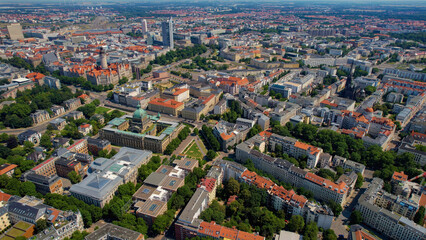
{"x":139,"y":113}
{"x":116,"y":121}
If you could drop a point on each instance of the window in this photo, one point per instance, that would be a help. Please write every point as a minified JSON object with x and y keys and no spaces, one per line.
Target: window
{"x":172,"y":183}
{"x":146,"y":191}
{"x":153,"y":206}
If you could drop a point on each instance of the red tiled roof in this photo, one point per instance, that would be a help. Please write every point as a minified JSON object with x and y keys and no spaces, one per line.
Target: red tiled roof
{"x":209,"y":183}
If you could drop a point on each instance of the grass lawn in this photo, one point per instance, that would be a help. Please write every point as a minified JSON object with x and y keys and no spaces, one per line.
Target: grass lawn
{"x":194,"y":152}
{"x":101,"y":110}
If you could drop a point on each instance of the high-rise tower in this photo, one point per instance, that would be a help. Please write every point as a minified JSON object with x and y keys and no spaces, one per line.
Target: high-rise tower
{"x":144,"y":26}
{"x":104,"y":63}
{"x":167,"y":28}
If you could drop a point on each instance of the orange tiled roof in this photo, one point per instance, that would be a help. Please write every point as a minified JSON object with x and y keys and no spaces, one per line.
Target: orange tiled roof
{"x":4,"y":197}
{"x":340,"y":188}
{"x":8,"y":168}
{"x":225,"y":136}
{"x":400,"y":176}
{"x":170,"y":103}
{"x":217,"y":231}
{"x":288,"y":195}
{"x":312,"y":150}
{"x":180,"y":91}
{"x":34,"y":76}
{"x":83,"y":96}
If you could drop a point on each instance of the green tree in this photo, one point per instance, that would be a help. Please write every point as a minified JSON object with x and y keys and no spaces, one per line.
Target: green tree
{"x":359,"y":181}
{"x":215,"y":212}
{"x":28,"y":146}
{"x":12,"y":142}
{"x":232,"y":187}
{"x":335,"y":207}
{"x":420,"y":216}
{"x":46,"y":141}
{"x":74,"y":177}
{"x":329,"y":235}
{"x":256,"y":129}
{"x":296,"y":224}
{"x":40,"y":225}
{"x":369,"y":90}
{"x":123,"y":80}
{"x":162,"y":222}
{"x":211,"y":155}
{"x":311,"y":231}
{"x":356,"y":217}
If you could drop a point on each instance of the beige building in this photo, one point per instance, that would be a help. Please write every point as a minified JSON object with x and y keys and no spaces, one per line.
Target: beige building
{"x":4,"y":218}
{"x":15,"y":31}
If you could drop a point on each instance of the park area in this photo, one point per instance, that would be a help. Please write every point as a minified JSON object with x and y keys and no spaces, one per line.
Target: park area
{"x":193,"y":151}
{"x":101,"y":110}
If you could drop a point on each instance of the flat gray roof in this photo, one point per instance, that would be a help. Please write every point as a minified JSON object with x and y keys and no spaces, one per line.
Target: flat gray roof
{"x":111,"y":230}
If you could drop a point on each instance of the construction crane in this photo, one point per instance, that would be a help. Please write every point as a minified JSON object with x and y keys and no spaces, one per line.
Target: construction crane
{"x":417,"y":177}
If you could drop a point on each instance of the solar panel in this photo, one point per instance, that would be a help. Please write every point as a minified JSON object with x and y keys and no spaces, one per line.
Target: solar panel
{"x":187,"y":163}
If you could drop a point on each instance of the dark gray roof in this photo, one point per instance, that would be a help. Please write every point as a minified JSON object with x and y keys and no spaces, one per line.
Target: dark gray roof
{"x":49,"y":58}
{"x":155,"y":179}
{"x":284,"y":164}
{"x":27,"y":133}
{"x":109,"y":231}
{"x":29,"y":212}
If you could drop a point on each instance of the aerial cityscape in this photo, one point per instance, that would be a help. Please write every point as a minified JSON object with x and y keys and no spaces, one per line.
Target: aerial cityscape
{"x":204,"y":120}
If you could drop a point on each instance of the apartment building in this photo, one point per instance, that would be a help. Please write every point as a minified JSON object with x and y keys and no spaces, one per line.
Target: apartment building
{"x":285,"y":171}
{"x":280,"y":198}
{"x":418,"y":76}
{"x":177,"y":94}
{"x":46,"y":184}
{"x":151,"y":198}
{"x":409,"y":145}
{"x":72,"y":104}
{"x":354,"y":166}
{"x":29,"y":135}
{"x":58,"y":123}
{"x":295,"y":148}
{"x":230,"y":134}
{"x":188,"y":224}
{"x":4,"y":218}
{"x":95,"y":145}
{"x":57,"y":110}
{"x":40,"y":116}
{"x":385,"y":221}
